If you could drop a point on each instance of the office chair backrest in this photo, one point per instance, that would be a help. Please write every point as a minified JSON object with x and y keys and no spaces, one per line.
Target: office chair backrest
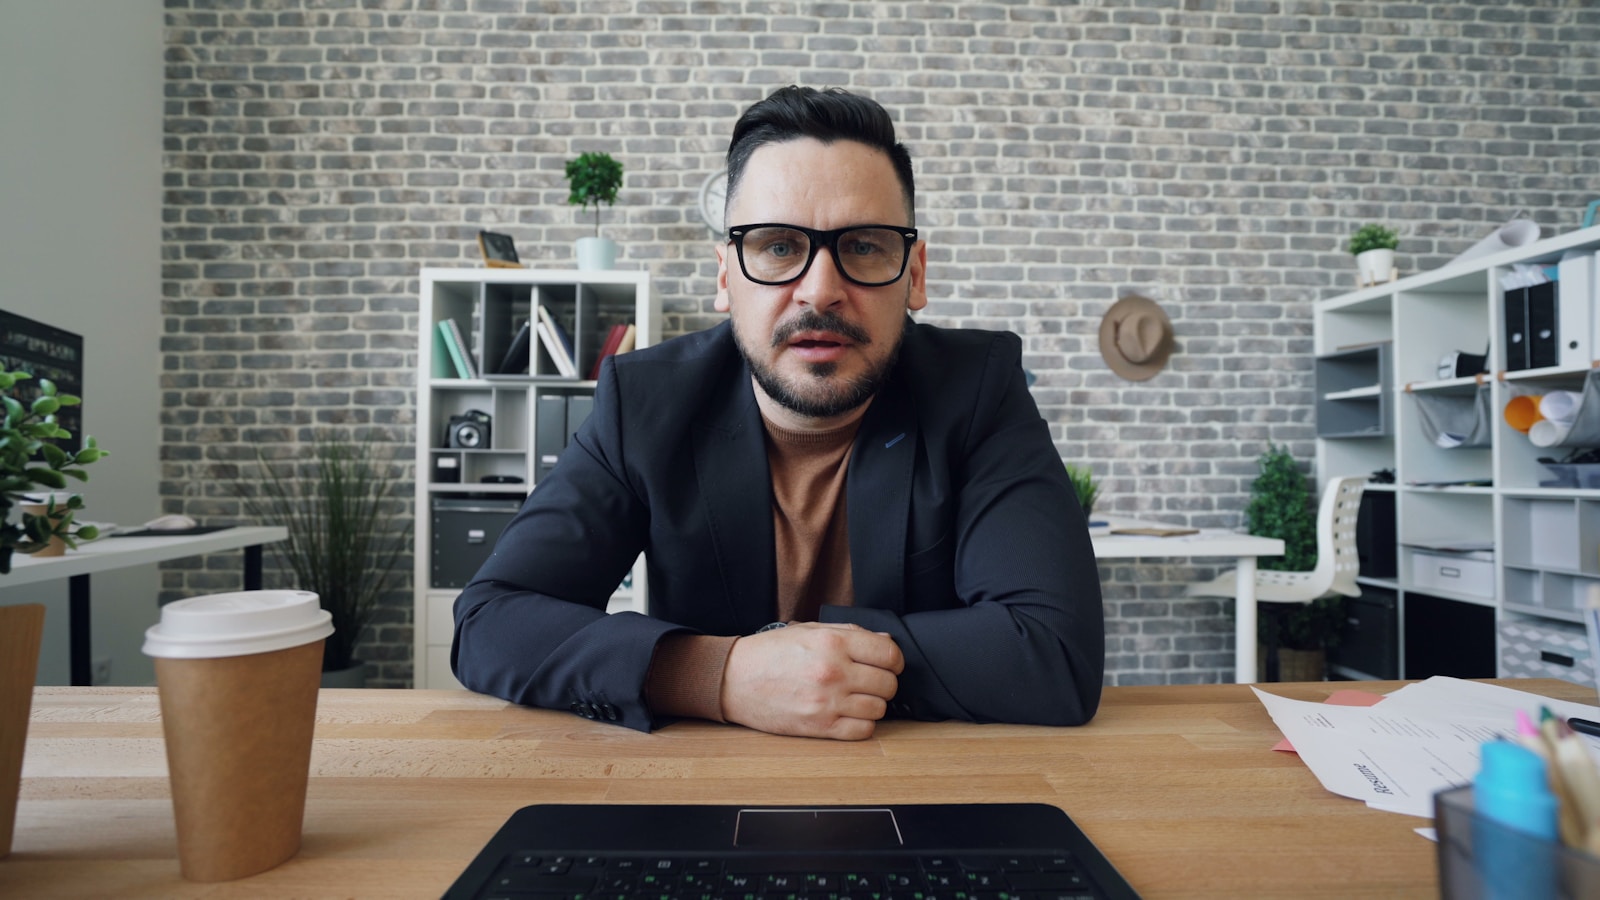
{"x":1336,"y":535}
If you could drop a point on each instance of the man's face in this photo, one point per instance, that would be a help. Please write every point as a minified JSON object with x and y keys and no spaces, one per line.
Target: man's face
{"x":820,"y":346}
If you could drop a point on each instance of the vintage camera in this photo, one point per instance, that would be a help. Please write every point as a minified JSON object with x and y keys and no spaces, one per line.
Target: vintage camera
{"x":468,"y":431}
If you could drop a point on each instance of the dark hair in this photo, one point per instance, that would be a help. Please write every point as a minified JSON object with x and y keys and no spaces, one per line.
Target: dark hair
{"x":828,"y":115}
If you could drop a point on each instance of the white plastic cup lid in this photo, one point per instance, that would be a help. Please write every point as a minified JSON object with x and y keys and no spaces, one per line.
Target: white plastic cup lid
{"x":237,"y":624}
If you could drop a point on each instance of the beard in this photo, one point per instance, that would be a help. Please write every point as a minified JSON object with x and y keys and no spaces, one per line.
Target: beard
{"x":821,"y":393}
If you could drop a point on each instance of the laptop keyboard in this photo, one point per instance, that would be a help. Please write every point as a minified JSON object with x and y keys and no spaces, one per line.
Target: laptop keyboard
{"x":533,"y":875}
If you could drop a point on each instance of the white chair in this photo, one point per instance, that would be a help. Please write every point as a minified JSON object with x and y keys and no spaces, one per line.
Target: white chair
{"x":1337,"y":565}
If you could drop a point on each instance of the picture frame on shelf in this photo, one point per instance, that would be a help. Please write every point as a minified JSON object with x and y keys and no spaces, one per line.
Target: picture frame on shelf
{"x":499,"y":250}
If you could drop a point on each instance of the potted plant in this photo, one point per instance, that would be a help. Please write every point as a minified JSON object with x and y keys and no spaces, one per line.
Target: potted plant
{"x":1084,"y":485}
{"x":27,"y":461}
{"x":1281,"y":506}
{"x":595,"y":179}
{"x":1373,"y":247}
{"x":344,"y":540}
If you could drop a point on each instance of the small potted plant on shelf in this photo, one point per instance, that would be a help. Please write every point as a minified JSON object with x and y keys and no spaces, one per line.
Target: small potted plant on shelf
{"x":1085,"y":486}
{"x":345,"y":543}
{"x":1281,"y":507}
{"x":1373,"y":247}
{"x":595,"y":179}
{"x":28,"y":461}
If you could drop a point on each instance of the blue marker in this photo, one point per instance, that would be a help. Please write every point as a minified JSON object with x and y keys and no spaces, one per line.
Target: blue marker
{"x":1513,"y":791}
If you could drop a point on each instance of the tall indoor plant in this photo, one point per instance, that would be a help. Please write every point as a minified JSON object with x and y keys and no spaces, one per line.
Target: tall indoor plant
{"x":1281,"y":507}
{"x":595,"y":178}
{"x":29,"y":460}
{"x":344,"y":542}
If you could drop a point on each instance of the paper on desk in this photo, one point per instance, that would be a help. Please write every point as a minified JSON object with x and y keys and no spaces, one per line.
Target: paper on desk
{"x":1380,"y":754}
{"x":1421,"y":739}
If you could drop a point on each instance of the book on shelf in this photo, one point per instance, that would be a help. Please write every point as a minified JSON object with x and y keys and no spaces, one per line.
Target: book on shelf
{"x":518,"y":359}
{"x":558,"y":343}
{"x":558,"y":354}
{"x":629,"y":338}
{"x":608,"y":347}
{"x":444,"y":364}
{"x":465,"y":365}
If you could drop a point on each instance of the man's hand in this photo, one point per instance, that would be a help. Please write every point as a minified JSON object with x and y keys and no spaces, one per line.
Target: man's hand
{"x":812,"y":679}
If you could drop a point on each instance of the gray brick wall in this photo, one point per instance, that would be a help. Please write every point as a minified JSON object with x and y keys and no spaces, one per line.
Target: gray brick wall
{"x":1213,"y":154}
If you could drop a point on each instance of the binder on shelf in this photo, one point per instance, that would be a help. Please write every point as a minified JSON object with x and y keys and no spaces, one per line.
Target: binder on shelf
{"x":549,"y":433}
{"x":552,"y":346}
{"x":518,"y":358}
{"x":578,"y":408}
{"x":444,"y":365}
{"x":1516,"y":304}
{"x":457,"y":348}
{"x":1544,"y":337}
{"x":1575,"y":306}
{"x":561,"y":342}
{"x":608,"y":347}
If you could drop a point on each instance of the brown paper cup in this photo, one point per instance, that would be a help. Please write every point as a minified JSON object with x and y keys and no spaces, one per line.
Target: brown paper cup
{"x":238,"y":733}
{"x":238,"y":676}
{"x":21,"y":628}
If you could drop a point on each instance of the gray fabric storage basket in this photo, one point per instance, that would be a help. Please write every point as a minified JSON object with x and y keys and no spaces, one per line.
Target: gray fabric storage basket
{"x":1463,"y":418}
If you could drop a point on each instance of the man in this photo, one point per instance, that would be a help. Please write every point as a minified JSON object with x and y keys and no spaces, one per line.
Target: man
{"x":846,"y":515}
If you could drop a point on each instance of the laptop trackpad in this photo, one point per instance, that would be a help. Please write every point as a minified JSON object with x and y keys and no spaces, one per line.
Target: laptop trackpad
{"x":816,"y":829}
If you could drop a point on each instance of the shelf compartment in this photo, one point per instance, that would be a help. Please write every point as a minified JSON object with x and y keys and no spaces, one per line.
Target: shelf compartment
{"x":1353,"y":393}
{"x":1558,"y":534}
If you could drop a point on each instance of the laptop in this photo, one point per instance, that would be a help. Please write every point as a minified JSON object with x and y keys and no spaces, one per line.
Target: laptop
{"x":1003,"y":851}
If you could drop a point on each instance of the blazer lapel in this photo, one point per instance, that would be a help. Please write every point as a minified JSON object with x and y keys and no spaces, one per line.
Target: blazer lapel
{"x":879,"y":493}
{"x":730,"y":458}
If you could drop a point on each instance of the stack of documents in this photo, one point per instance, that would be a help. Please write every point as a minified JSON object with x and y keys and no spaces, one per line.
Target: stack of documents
{"x":1420,"y":739}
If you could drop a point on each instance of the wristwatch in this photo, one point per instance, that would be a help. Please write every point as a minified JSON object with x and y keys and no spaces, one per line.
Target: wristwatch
{"x":772,"y":627}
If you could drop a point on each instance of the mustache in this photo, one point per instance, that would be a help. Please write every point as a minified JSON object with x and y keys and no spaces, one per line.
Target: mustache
{"x":814,"y":321}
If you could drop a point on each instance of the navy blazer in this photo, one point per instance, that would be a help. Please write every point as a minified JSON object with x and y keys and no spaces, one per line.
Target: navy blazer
{"x":967,"y":543}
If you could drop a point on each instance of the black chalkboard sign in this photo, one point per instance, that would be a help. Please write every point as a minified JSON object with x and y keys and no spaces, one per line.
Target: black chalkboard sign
{"x":45,"y":352}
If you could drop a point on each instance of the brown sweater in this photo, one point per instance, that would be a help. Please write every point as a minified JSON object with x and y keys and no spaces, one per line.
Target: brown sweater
{"x":811,"y":526}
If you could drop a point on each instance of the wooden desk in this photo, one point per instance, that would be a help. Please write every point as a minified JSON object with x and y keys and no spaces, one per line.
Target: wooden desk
{"x":1176,"y":784}
{"x":107,"y":554}
{"x":1208,"y":542}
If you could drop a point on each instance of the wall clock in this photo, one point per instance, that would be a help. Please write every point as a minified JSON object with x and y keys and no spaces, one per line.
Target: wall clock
{"x":713,"y":200}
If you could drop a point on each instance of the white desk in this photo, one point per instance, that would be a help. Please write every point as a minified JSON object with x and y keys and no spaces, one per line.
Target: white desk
{"x":1208,"y":542}
{"x":106,"y":554}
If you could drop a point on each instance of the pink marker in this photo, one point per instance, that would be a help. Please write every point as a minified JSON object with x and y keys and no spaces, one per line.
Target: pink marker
{"x":1525,"y":726}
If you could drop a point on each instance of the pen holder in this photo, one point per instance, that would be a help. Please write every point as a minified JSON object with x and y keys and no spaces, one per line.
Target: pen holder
{"x":1480,"y":858}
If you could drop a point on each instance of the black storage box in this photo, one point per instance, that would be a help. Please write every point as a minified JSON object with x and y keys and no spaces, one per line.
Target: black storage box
{"x":1369,"y":642}
{"x":1375,"y":535}
{"x":464,"y":534}
{"x":1448,"y":637}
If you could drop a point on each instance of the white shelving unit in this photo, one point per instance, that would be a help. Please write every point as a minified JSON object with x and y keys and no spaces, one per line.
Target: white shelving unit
{"x":489,"y":306}
{"x":1545,"y":540}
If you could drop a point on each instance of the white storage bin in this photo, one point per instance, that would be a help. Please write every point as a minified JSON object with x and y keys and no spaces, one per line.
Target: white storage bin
{"x":1546,"y":649}
{"x":1470,"y":573}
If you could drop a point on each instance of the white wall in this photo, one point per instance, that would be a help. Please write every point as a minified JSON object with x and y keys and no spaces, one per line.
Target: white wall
{"x":80,"y":234}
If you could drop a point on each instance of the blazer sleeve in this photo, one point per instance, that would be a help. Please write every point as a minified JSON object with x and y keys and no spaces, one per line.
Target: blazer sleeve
{"x":1025,"y":641}
{"x":532,"y":626}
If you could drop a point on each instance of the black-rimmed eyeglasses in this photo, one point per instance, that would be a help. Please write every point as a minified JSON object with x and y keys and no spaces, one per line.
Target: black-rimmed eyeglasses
{"x":868,"y":255}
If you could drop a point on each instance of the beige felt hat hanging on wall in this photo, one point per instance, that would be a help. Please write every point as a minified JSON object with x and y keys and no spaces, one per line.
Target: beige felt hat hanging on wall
{"x":1135,"y":338}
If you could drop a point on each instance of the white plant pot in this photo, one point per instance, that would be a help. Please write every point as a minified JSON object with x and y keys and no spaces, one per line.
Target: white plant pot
{"x":1375,"y":267}
{"x":596,"y":253}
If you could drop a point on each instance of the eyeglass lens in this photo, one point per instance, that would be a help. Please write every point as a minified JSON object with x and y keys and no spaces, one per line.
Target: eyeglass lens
{"x":870,"y":256}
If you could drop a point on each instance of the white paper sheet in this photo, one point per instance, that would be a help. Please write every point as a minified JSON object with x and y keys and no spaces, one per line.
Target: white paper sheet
{"x":1421,"y":739}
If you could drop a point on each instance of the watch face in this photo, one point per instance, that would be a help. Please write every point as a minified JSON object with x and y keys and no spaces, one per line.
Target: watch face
{"x":713,"y":199}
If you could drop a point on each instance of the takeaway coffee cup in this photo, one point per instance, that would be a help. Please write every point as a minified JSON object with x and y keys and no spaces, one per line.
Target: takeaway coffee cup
{"x":238,"y":676}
